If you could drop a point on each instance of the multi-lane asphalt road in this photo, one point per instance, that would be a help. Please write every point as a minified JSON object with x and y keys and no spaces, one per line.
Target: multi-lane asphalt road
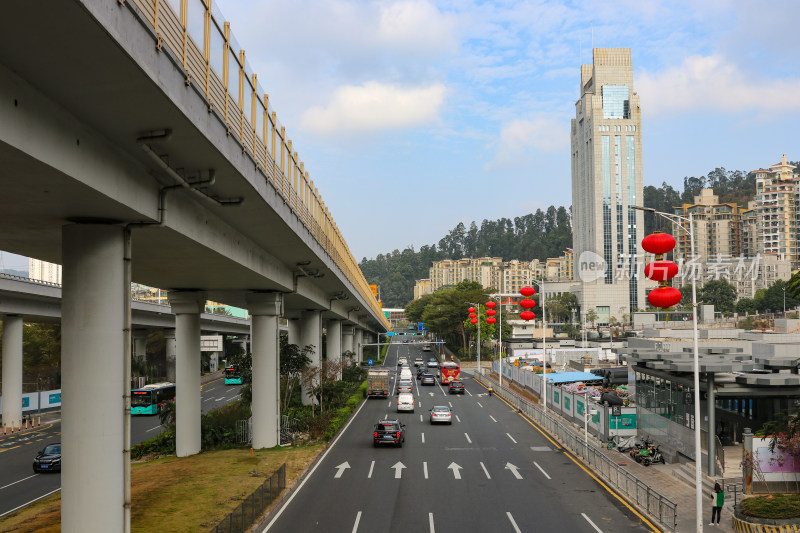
{"x":19,"y":486}
{"x":490,"y":471}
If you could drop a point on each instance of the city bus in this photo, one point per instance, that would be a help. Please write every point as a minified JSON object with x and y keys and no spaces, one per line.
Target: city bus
{"x":232,"y":376}
{"x":150,"y":399}
{"x":450,"y":371}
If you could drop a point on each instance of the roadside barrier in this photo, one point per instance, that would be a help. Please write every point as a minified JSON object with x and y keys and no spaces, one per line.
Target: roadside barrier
{"x":659,"y":507}
{"x":247,"y":512}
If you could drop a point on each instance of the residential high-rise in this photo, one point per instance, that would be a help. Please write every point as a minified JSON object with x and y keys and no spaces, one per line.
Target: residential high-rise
{"x":776,"y":203}
{"x":44,"y":271}
{"x":717,"y":229}
{"x":606,"y":182}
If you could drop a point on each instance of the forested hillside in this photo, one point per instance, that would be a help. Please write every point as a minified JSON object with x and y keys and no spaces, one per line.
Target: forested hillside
{"x":535,"y":236}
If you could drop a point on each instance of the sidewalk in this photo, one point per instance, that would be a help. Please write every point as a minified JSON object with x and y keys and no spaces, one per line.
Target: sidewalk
{"x":663,"y":479}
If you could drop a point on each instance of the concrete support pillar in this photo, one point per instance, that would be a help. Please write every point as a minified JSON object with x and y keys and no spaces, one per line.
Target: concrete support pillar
{"x":347,"y":339}
{"x":357,"y":342}
{"x":12,"y":371}
{"x":172,"y":353}
{"x":711,"y":406}
{"x":187,"y":306}
{"x":293,"y":331}
{"x":265,"y":310}
{"x":140,"y":345}
{"x":93,"y":348}
{"x":311,"y":334}
{"x":334,"y":344}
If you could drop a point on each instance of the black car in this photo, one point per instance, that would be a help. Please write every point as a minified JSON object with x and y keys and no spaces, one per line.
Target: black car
{"x":456,"y":387}
{"x":389,"y":432}
{"x":49,"y":459}
{"x":428,"y":379}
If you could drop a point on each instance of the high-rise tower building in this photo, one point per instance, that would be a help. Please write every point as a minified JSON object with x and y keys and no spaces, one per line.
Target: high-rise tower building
{"x":606,"y":182}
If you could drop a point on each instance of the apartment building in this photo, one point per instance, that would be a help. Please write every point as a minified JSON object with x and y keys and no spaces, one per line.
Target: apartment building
{"x":717,"y":228}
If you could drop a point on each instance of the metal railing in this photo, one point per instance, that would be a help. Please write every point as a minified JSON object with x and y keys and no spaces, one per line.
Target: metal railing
{"x":655,"y":504}
{"x":290,"y":428}
{"x":199,"y":41}
{"x":247,"y":512}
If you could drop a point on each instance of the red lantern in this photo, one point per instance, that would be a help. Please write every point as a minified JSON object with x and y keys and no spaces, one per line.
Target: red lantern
{"x":527,"y":303}
{"x":473,"y":315}
{"x":490,"y":305}
{"x":474,"y":321}
{"x":491,"y":320}
{"x":471,"y":309}
{"x":661,"y":270}
{"x":527,"y":315}
{"x":658,"y":243}
{"x":491,"y":312}
{"x":527,"y":291}
{"x":664,"y":297}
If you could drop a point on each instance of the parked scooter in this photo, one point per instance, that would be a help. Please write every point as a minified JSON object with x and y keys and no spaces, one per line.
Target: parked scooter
{"x":655,"y":456}
{"x":641,"y":449}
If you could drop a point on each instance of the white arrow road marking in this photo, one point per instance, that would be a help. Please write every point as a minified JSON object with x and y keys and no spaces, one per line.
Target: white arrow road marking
{"x":482,"y":394}
{"x":512,"y":438}
{"x":479,"y":405}
{"x":513,"y":523}
{"x":493,"y":418}
{"x":541,"y":469}
{"x":371,"y":466}
{"x":592,"y":523}
{"x":358,"y":519}
{"x":340,"y":469}
{"x":513,"y":469}
{"x":398,"y":469}
{"x":468,"y":439}
{"x":425,"y":469}
{"x":485,"y":471}
{"x":456,"y":470}
{"x":430,"y":393}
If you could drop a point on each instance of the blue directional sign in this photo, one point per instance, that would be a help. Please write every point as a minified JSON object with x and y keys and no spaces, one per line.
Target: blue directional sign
{"x":370,"y":362}
{"x":421,"y":326}
{"x":391,"y":334}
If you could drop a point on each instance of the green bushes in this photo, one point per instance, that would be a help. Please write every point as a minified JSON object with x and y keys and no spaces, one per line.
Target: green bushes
{"x":343,"y":413}
{"x":162,"y":444}
{"x":773,"y":506}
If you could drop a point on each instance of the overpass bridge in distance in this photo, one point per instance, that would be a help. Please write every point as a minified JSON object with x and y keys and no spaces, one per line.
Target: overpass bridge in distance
{"x":136,"y":145}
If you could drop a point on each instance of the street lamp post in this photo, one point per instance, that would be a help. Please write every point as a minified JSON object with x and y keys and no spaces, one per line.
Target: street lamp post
{"x":540,"y":283}
{"x":679,"y":221}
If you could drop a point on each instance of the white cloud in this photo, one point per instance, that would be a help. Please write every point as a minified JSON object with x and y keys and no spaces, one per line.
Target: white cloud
{"x":522,"y":139}
{"x":375,"y":106}
{"x":712,"y":83}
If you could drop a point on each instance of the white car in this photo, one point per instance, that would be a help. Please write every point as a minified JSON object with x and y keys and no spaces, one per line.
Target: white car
{"x":441,"y":414}
{"x":402,"y":361}
{"x":405,"y":402}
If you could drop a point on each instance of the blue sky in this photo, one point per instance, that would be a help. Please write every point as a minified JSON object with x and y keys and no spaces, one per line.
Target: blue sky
{"x":414,"y":115}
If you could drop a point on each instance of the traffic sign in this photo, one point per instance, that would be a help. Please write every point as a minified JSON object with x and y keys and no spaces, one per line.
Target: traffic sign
{"x":370,"y":362}
{"x":391,"y":334}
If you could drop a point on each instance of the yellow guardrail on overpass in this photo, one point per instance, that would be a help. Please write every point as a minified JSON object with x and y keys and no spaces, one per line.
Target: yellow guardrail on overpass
{"x":197,"y":35}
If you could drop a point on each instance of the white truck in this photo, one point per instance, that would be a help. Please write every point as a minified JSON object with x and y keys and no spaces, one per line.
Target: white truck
{"x":377,"y":383}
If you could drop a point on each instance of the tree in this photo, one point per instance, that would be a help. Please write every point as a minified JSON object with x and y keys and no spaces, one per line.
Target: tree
{"x":293,"y":361}
{"x":746,"y":306}
{"x":771,"y":299}
{"x":592,"y":316}
{"x":720,"y":293}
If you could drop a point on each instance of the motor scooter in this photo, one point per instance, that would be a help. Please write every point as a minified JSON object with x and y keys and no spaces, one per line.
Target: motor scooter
{"x":654,"y":456}
{"x":490,"y":389}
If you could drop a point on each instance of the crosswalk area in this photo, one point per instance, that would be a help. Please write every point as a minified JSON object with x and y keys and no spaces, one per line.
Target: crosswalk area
{"x":422,"y":470}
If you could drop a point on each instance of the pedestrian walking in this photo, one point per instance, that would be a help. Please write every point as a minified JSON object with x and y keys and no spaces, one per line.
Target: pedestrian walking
{"x":719,"y":500}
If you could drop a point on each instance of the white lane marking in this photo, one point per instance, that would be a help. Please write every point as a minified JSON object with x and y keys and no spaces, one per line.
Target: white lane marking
{"x":423,"y":437}
{"x":19,"y":481}
{"x":313,"y":469}
{"x":513,"y":524}
{"x":479,"y":404}
{"x":468,"y":439}
{"x":468,"y":392}
{"x":386,"y":415}
{"x":512,"y":438}
{"x":340,"y":469}
{"x":541,"y":469}
{"x":514,"y":471}
{"x":208,"y":399}
{"x":390,"y":404}
{"x":493,"y":418}
{"x":485,"y":471}
{"x":420,"y":418}
{"x":398,"y":469}
{"x":430,"y":522}
{"x":458,"y":418}
{"x":419,"y":402}
{"x":425,"y":469}
{"x":358,"y":519}
{"x":456,"y":470}
{"x":233,"y":397}
{"x":450,"y":404}
{"x":371,"y":466}
{"x":592,"y":523}
{"x":218,"y":399}
{"x":152,"y":429}
{"x":30,"y":502}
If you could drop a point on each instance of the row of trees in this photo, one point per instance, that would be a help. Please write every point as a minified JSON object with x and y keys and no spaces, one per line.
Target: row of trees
{"x":722,"y":295}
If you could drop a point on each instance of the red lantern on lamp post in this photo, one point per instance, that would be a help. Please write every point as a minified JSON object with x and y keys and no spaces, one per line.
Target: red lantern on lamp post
{"x":661,"y":270}
{"x":491,"y":320}
{"x":473,"y":321}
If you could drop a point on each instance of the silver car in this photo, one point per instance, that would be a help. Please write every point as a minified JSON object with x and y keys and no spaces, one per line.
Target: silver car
{"x":404,"y":385}
{"x":441,"y":414}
